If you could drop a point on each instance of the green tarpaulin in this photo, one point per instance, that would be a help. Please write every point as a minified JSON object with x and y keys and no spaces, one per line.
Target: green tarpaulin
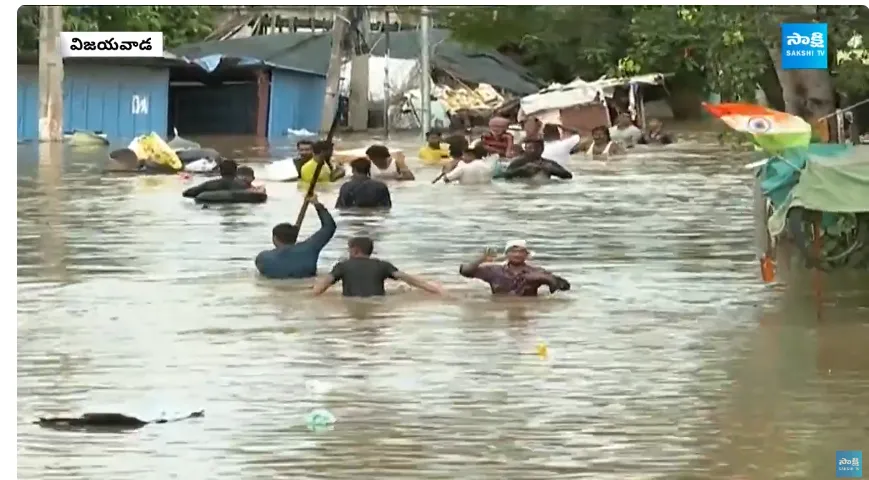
{"x":831,"y":185}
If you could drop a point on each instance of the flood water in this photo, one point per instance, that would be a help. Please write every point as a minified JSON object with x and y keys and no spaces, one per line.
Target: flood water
{"x":668,"y":359}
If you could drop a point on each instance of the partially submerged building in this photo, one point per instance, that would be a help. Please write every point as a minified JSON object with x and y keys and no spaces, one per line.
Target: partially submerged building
{"x":262,"y":85}
{"x":121,"y":97}
{"x":214,"y":94}
{"x":306,"y":52}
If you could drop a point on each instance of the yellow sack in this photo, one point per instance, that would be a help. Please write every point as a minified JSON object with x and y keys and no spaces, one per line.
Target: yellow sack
{"x":151,"y":147}
{"x":307,"y":172}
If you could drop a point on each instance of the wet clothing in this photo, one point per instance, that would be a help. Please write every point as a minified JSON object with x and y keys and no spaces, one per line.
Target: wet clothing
{"x":658,"y":138}
{"x":559,"y":150}
{"x":306,"y":173}
{"x":522,"y":281}
{"x":299,"y":162}
{"x":363,"y":276}
{"x":476,"y":171}
{"x":298,"y":260}
{"x":434,"y":156}
{"x":523,"y":167}
{"x":216,"y":184}
{"x":497,"y":143}
{"x":605,"y":152}
{"x":626,"y":136}
{"x":361,"y":191}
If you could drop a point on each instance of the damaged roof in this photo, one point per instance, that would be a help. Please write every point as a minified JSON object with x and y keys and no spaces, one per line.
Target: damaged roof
{"x":309,"y":52}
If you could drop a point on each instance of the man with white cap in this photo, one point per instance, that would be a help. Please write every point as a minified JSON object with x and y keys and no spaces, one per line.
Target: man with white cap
{"x":513,"y":277}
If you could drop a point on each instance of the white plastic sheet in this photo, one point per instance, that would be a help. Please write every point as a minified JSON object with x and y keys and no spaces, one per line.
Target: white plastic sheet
{"x":403,"y":76}
{"x":281,"y":171}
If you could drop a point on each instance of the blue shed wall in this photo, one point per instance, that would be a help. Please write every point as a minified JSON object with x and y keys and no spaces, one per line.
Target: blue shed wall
{"x":295,"y":102}
{"x":121,"y":101}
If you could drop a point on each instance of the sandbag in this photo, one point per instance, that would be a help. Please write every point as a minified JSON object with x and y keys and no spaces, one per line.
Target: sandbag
{"x":231,"y":196}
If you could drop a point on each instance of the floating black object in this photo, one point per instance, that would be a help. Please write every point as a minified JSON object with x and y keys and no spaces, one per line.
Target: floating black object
{"x":231,"y":196}
{"x":106,"y":421}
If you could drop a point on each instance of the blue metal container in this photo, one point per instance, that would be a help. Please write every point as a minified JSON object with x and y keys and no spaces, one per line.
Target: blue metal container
{"x":121,"y":101}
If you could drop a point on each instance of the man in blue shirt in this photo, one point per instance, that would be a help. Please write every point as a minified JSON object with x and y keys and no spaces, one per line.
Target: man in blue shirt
{"x":296,"y":260}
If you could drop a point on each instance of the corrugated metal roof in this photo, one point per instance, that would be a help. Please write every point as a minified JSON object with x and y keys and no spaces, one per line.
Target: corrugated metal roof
{"x":309,"y":52}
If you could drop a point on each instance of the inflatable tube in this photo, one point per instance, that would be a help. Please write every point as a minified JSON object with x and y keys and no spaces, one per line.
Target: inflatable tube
{"x":232,"y":196}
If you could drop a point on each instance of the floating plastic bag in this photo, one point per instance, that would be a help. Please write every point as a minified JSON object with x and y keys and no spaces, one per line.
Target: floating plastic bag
{"x":203,"y":165}
{"x":320,"y":419}
{"x":151,"y":147}
{"x":282,"y":171}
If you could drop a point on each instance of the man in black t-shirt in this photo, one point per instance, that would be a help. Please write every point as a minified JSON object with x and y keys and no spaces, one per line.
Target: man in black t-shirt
{"x":363,"y":276}
{"x":362,"y":191}
{"x":228,"y":181}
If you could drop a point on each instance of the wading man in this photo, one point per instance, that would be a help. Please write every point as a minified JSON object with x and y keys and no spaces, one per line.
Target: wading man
{"x":515,"y":276}
{"x":363,"y":276}
{"x":296,"y":260}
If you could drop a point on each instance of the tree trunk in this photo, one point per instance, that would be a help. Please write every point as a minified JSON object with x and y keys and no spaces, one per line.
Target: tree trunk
{"x":806,"y":93}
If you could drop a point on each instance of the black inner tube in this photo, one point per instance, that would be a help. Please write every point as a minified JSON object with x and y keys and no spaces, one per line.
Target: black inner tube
{"x":232,"y":196}
{"x":106,"y":421}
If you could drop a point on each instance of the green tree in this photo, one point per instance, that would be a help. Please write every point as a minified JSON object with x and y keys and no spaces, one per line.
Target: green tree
{"x":737,"y":47}
{"x":178,"y":24}
{"x":730,"y":49}
{"x":555,"y":42}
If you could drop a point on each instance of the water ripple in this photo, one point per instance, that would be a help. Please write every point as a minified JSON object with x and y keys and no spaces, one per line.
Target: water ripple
{"x":133,"y":300}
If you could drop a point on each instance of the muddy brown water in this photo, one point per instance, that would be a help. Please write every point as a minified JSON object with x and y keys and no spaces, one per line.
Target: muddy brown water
{"x":667,"y":360}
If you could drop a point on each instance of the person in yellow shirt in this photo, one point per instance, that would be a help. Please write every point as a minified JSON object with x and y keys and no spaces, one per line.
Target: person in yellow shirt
{"x":322,"y":150}
{"x":434,"y":152}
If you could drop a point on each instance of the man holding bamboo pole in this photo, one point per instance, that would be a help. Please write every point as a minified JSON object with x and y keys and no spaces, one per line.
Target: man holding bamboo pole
{"x":296,"y":260}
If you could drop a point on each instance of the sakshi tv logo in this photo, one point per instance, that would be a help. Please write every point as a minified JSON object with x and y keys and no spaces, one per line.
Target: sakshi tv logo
{"x":804,"y":46}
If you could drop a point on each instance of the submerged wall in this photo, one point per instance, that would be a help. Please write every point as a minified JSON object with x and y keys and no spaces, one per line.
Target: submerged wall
{"x":295,"y":102}
{"x":121,"y":101}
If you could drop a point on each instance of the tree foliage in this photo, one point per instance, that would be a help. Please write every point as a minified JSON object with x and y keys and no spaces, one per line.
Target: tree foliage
{"x":728,"y":46}
{"x":178,"y":24}
{"x":555,"y":42}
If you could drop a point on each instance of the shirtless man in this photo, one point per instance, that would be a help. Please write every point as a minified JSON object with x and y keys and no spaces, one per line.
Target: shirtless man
{"x":386,"y":167}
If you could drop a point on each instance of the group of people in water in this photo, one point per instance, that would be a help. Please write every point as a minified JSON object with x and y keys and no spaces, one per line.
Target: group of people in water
{"x":540,"y":153}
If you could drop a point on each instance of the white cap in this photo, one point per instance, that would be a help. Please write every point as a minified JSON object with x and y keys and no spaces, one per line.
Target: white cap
{"x":518,"y":244}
